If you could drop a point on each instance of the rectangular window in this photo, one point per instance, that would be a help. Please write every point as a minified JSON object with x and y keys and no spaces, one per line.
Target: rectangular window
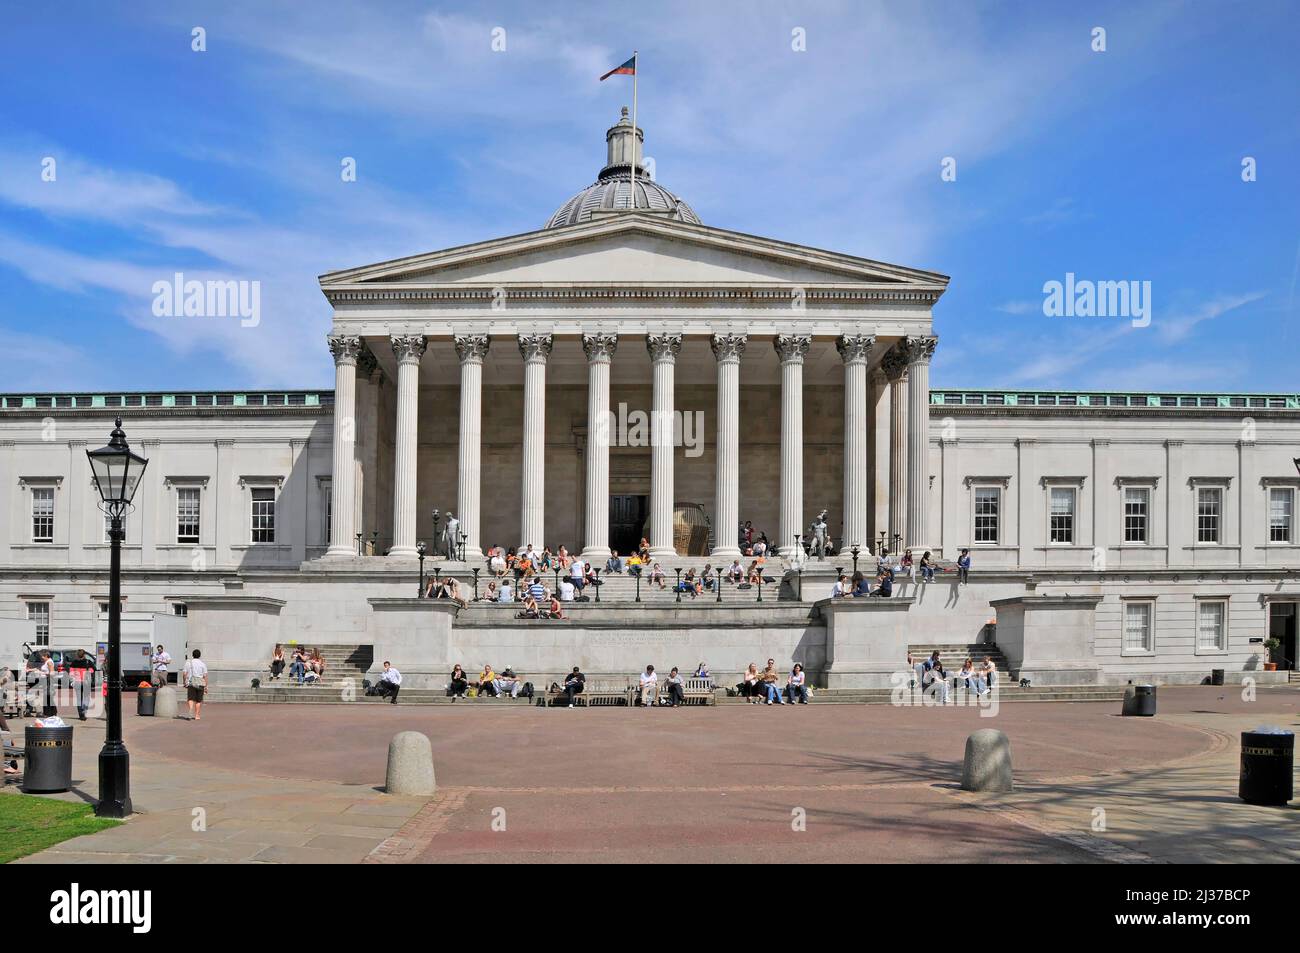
{"x":1137,"y":627}
{"x":988,"y":503}
{"x":39,"y":612}
{"x":1281,"y":507}
{"x":1209,"y":514}
{"x":187,"y":514}
{"x":1211,"y":627}
{"x":180,"y":609}
{"x":1062,"y":527}
{"x":42,"y":514}
{"x":1137,"y":506}
{"x":263,"y":515}
{"x":329,"y":512}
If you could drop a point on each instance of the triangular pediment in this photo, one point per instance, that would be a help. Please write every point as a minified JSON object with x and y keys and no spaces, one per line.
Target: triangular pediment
{"x":633,"y":249}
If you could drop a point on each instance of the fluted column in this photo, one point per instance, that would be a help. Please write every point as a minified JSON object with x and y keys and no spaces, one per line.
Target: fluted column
{"x":600,"y":355}
{"x":918,"y":351}
{"x":791,"y":349}
{"x":895,"y":367}
{"x":535,"y":348}
{"x":471,"y":349}
{"x":727,"y":349}
{"x":408,"y":349}
{"x":879,"y":455}
{"x":663,"y":350}
{"x":855,"y":350}
{"x":346,"y":349}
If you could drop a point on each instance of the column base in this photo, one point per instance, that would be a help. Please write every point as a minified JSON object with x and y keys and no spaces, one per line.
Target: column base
{"x":341,"y":552}
{"x":666,"y":552}
{"x":596,"y":555}
{"x":725,"y":552}
{"x":403,"y":552}
{"x":473,"y":556}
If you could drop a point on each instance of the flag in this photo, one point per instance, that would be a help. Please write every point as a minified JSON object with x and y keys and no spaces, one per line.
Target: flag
{"x":627,"y":69}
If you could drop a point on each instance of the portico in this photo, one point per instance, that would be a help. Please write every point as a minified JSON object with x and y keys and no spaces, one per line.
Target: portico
{"x":611,"y":306}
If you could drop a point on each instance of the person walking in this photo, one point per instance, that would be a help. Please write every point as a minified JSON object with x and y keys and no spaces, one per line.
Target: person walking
{"x":195,"y":677}
{"x":82,"y":671}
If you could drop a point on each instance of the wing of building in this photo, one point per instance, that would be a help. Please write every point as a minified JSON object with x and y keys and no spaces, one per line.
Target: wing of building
{"x":629,"y":372}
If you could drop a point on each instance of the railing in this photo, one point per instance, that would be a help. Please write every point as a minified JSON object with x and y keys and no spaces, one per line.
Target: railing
{"x":180,"y":400}
{"x":1009,"y":398}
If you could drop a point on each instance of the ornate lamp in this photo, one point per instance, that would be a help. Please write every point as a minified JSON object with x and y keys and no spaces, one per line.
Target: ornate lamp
{"x":117,"y":471}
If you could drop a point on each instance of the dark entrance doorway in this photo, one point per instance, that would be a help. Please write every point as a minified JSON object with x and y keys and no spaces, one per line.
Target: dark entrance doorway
{"x":1282,"y":626}
{"x":627,"y":515}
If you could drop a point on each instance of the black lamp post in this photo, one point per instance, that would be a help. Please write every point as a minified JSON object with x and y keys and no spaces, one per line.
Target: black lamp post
{"x":374,"y":542}
{"x":854,"y":552}
{"x":760,"y":585}
{"x":117,"y":473}
{"x":463,"y":537}
{"x":898,"y":539}
{"x":476,"y":584}
{"x":597,"y":583}
{"x":358,"y":544}
{"x":678,"y":587}
{"x":638,"y":587}
{"x":420,"y":550}
{"x":880,"y":545}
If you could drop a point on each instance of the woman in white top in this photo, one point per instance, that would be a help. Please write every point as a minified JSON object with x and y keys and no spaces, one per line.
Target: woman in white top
{"x":505,"y":594}
{"x":795,"y":686}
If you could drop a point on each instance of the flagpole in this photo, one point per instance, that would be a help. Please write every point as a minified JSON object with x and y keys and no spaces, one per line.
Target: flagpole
{"x":632,"y":195}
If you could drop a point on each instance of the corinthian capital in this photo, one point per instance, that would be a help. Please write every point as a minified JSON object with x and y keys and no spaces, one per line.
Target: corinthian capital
{"x":918,"y":350}
{"x":472,"y":348}
{"x":345,"y":348}
{"x":894,"y":363}
{"x":728,"y":347}
{"x":408,"y":348}
{"x":855,"y":347}
{"x":599,"y":347}
{"x":663,"y":347}
{"x":535,"y":347}
{"x":791,"y":348}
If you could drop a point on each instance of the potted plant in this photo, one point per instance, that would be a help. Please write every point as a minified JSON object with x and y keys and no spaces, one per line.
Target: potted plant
{"x":1273,"y":645}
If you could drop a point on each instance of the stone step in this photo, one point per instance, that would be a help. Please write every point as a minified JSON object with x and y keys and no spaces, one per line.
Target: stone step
{"x":880,"y":696}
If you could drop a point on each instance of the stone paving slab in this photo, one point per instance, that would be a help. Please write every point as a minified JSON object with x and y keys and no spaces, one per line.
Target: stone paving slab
{"x":697,"y":785}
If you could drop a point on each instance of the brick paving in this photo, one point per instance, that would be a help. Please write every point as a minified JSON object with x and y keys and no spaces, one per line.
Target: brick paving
{"x":740,"y":783}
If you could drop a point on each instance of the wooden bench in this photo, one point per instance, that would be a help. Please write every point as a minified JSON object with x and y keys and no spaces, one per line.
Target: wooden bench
{"x":597,"y":691}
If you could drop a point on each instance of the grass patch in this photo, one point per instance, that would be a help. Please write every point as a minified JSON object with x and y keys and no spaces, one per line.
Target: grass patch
{"x":29,"y":824}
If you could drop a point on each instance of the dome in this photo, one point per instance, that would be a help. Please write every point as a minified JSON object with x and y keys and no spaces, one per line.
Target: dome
{"x":613,"y":186}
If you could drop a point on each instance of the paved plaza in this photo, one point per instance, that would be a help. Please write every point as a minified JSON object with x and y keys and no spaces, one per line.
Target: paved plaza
{"x":303,"y":783}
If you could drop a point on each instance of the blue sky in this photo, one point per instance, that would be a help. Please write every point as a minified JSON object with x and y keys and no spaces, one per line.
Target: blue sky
{"x":1115,"y":165}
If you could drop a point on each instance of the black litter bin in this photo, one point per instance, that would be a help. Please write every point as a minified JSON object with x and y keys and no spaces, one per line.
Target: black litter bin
{"x":1142,"y":701}
{"x":48,"y":759}
{"x":1267,"y":763}
{"x":1216,"y":676}
{"x":144,"y":699}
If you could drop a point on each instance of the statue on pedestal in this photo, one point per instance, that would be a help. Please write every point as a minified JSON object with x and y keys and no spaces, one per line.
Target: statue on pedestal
{"x":449,"y":536}
{"x":820,"y":541}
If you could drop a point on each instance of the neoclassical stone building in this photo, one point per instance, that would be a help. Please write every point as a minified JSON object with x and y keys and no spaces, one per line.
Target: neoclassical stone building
{"x":626,"y":368}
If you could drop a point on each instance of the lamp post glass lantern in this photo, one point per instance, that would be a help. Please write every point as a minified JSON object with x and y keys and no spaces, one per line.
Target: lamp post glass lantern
{"x":117,"y":472}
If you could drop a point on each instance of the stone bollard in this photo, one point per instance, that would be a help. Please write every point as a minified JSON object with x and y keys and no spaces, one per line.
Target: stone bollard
{"x":988,"y":762}
{"x":165,"y":704}
{"x":1127,"y":705}
{"x":410,"y":765}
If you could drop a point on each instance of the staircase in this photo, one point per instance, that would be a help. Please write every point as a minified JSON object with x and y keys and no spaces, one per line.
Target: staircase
{"x":342,"y":662}
{"x":952,"y":654}
{"x":622,"y":587}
